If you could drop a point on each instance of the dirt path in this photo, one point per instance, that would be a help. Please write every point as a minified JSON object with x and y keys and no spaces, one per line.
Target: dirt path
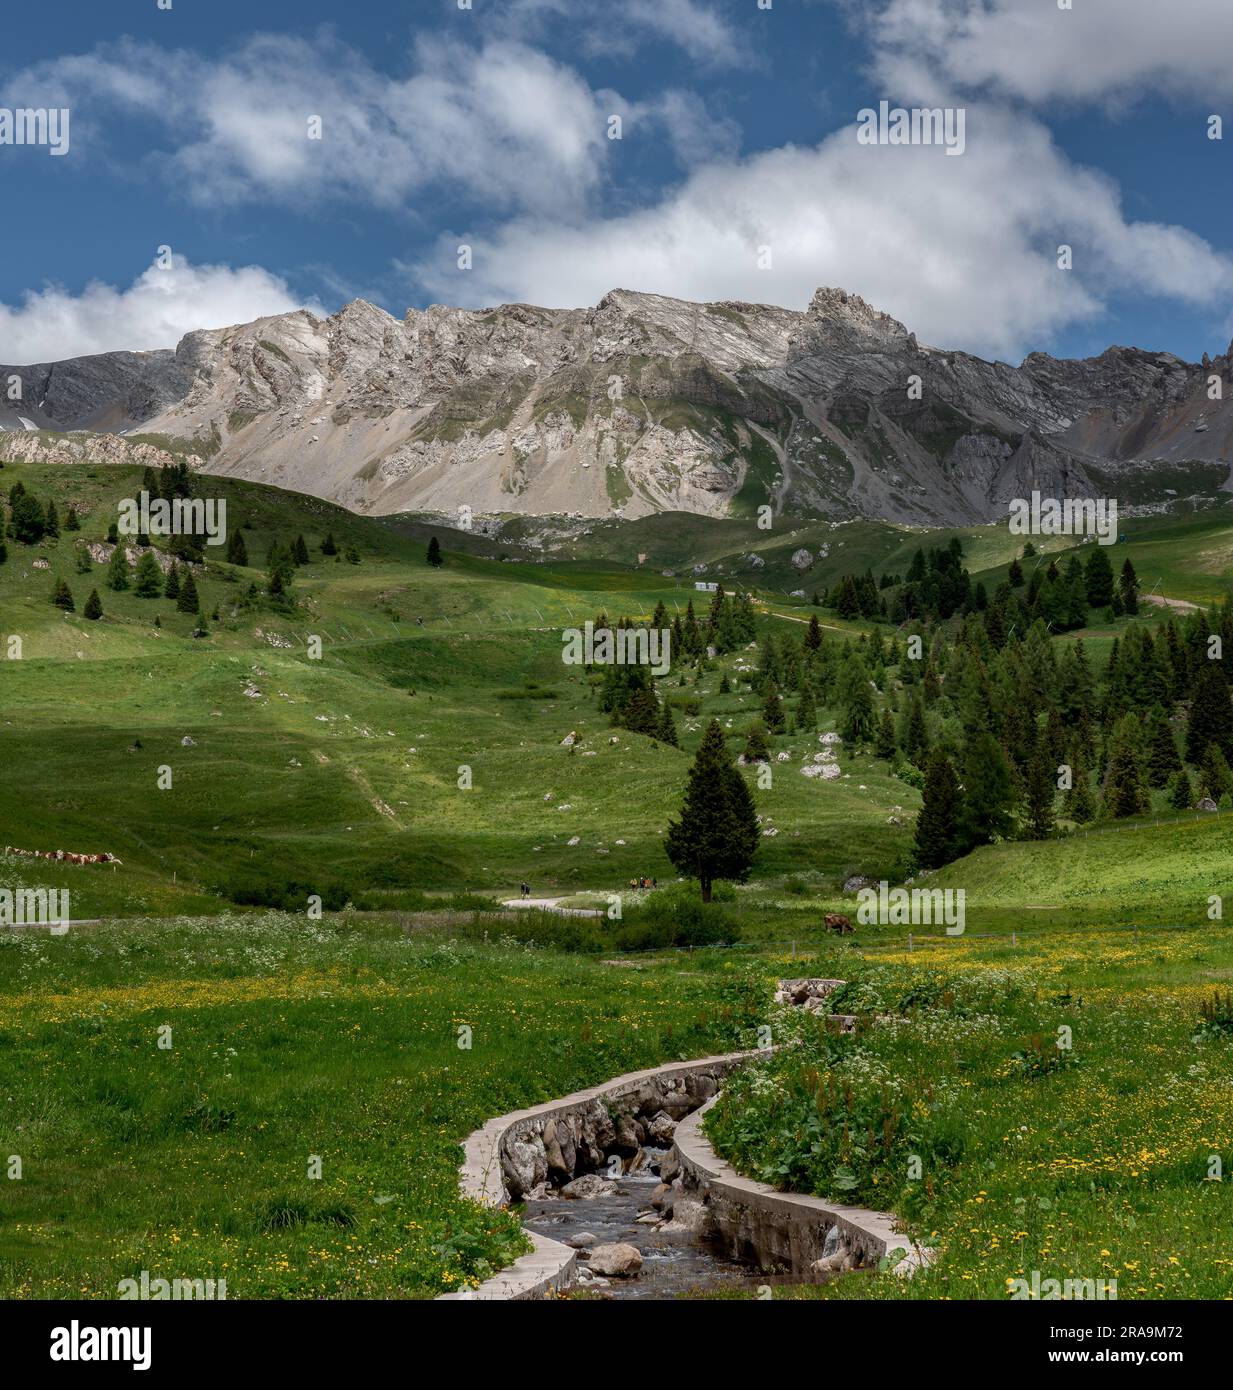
{"x":1180,"y":604}
{"x":552,"y":905}
{"x":788,"y":618}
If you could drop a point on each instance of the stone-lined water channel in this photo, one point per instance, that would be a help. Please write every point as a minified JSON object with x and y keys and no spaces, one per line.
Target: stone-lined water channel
{"x":675,"y":1260}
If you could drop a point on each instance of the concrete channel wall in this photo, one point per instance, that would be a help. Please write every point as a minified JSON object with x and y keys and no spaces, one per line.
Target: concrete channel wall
{"x":776,"y":1229}
{"x":787,"y":1230}
{"x":551,"y":1266}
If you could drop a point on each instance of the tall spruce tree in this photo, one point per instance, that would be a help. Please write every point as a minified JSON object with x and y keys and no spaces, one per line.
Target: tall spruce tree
{"x":806,"y":711}
{"x":1078,"y":802}
{"x":716,"y":833}
{"x":1125,"y":794}
{"x":1211,"y":717}
{"x":149,"y":577}
{"x":772,"y":710}
{"x":641,"y":713}
{"x":987,"y":808}
{"x":187,"y":600}
{"x":434,"y":557}
{"x":1098,"y":577}
{"x":237,"y":551}
{"x":884,"y":743}
{"x":1038,"y":797}
{"x":117,"y":570}
{"x":1162,"y":759}
{"x":937,"y":821}
{"x":915,"y":736}
{"x":1128,"y":589}
{"x":666,"y":731}
{"x":94,"y":607}
{"x":1215,"y":780}
{"x":1181,"y":793}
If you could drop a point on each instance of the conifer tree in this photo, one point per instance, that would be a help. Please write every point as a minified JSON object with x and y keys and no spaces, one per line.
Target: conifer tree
{"x":915,"y":738}
{"x":936,"y":823}
{"x":329,"y":546}
{"x":27,"y":522}
{"x":691,"y":633}
{"x":884,"y":743}
{"x":435,"y":558}
{"x":187,"y":600}
{"x":299,"y":551}
{"x":1215,"y":780}
{"x":71,"y":522}
{"x":1162,"y":759}
{"x":1125,"y":794}
{"x":757,"y":750}
{"x":117,"y":570}
{"x":149,"y":576}
{"x":772,"y":709}
{"x":1128,"y":589}
{"x":1211,"y":718}
{"x":806,"y":711}
{"x":94,"y":607}
{"x":986,"y":812}
{"x":716,"y":833}
{"x":666,"y":731}
{"x":1039,"y":794}
{"x":813,"y":634}
{"x":237,"y":551}
{"x":725,"y":685}
{"x":172,"y":587}
{"x":1181,"y":793}
{"x":62,"y":597}
{"x":641,"y":713}
{"x":1098,"y":577}
{"x":1078,"y":802}
{"x":51,"y":521}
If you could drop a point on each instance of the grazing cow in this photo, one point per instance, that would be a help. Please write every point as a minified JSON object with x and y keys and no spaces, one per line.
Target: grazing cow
{"x":836,"y":922}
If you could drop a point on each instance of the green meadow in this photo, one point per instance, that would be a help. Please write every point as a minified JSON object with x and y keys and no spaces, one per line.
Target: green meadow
{"x":394,"y":740}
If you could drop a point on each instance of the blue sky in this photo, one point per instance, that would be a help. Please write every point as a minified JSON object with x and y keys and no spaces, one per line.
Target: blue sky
{"x":489,"y":127}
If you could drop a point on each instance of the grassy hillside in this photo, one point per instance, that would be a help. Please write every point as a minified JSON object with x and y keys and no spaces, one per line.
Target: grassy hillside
{"x":341,"y":776}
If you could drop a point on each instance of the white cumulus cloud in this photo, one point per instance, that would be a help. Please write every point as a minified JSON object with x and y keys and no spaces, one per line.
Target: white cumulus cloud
{"x":964,"y":251}
{"x":1097,"y":51}
{"x":155,"y":311}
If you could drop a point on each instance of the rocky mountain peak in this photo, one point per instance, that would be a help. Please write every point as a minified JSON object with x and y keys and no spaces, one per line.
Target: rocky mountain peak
{"x":643,"y":403}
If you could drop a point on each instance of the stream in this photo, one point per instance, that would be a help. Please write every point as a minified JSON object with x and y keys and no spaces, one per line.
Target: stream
{"x":673,"y":1263}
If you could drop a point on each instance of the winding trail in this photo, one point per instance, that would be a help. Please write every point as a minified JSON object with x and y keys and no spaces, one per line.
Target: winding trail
{"x":1182,"y":605}
{"x":553,"y":905}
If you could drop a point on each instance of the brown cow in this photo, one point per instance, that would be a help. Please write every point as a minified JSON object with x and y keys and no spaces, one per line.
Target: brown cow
{"x":836,"y":922}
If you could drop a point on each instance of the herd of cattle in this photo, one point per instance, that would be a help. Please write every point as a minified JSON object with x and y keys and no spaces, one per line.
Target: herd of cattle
{"x":64,"y":856}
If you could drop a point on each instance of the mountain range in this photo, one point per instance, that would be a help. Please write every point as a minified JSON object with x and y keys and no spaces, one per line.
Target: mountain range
{"x":641,"y":404}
